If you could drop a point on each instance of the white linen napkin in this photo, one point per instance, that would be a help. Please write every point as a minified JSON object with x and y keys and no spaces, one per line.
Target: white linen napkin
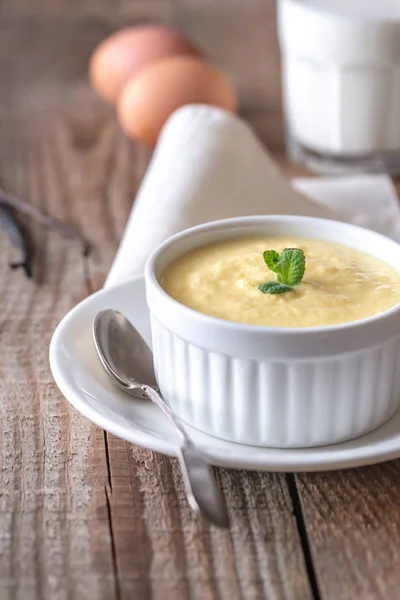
{"x":209,"y":165}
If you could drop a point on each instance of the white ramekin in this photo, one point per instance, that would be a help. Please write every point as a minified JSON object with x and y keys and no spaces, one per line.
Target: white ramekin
{"x":270,"y":386}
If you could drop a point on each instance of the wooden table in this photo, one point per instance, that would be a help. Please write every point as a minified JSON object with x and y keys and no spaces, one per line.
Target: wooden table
{"x":83,"y":514}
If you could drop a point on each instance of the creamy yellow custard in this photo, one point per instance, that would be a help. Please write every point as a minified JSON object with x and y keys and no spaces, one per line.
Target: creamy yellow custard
{"x":340,"y":284}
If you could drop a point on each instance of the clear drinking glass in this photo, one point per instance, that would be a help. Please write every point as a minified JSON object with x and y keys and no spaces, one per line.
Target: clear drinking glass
{"x":341,"y":83}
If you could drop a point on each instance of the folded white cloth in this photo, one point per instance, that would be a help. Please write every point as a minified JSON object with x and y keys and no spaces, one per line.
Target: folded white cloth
{"x":209,"y":165}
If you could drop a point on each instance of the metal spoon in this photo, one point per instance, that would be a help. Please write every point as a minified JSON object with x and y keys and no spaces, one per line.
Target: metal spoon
{"x":129,"y":362}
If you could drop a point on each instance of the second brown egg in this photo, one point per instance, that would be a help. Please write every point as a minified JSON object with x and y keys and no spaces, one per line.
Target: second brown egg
{"x":155,"y":92}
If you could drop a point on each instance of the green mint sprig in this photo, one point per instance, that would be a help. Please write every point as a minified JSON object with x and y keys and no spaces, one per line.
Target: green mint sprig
{"x":289,"y":267}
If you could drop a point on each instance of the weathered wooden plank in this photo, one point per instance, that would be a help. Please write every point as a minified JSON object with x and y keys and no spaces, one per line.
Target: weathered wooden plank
{"x":353,"y":524}
{"x":55,"y":539}
{"x":164,"y":551}
{"x":85,"y":142}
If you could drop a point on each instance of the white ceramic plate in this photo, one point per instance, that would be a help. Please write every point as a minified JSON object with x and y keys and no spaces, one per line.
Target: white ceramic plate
{"x":81,"y":379}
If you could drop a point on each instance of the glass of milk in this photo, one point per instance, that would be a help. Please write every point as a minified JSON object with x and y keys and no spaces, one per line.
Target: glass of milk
{"x":341,"y":83}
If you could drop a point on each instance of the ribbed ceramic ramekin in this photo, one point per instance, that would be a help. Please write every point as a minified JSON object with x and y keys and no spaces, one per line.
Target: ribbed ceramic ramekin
{"x":270,"y":386}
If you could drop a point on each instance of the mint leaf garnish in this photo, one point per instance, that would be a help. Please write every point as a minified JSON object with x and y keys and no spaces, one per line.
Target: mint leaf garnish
{"x":289,"y":267}
{"x":274,"y":287}
{"x":271,"y":258}
{"x":292,"y":265}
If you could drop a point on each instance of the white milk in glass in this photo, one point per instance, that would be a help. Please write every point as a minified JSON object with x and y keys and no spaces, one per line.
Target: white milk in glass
{"x":341,"y":83}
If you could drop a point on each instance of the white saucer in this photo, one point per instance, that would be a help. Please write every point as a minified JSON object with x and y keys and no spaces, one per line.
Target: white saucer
{"x":81,"y":379}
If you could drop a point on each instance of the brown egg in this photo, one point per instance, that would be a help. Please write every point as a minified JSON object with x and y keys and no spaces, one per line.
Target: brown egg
{"x":128,"y":50}
{"x":153,"y":94}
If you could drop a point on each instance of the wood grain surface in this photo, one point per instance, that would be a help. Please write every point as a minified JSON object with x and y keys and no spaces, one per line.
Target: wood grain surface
{"x":353,"y":527}
{"x":83,"y":514}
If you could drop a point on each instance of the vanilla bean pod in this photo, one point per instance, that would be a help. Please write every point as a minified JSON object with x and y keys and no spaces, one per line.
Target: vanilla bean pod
{"x":41,"y":217}
{"x":19,"y":238}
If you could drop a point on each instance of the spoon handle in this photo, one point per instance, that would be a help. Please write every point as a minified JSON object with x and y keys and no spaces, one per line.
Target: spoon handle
{"x":155,"y":397}
{"x":201,"y":487}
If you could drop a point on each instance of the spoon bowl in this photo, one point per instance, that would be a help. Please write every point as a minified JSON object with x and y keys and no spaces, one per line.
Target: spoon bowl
{"x":123,"y":352}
